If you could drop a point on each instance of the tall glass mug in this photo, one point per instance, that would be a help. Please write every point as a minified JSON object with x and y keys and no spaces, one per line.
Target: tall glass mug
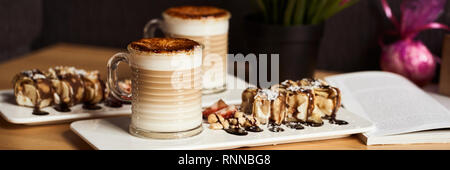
{"x":206,"y":25}
{"x":166,"y":87}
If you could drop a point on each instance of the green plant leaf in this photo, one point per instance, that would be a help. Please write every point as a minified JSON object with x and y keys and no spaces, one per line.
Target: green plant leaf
{"x":339,"y":8}
{"x":321,"y":6}
{"x":300,"y":11}
{"x":288,"y":15}
{"x":262,"y":7}
{"x":275,"y":11}
{"x":312,"y":6}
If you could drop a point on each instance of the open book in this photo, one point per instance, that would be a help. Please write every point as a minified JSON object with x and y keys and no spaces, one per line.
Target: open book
{"x":401,"y":112}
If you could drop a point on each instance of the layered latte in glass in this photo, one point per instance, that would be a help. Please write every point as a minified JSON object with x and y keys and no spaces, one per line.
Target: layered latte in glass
{"x":206,"y":25}
{"x":166,"y":87}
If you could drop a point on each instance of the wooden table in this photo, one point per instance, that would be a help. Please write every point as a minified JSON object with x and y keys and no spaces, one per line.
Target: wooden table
{"x":59,"y":136}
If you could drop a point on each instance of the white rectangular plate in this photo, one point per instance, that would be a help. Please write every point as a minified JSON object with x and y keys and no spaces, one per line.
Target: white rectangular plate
{"x":112,"y":134}
{"x":16,"y":114}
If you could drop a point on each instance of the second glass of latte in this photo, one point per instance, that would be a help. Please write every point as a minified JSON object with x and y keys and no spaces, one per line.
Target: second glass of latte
{"x":206,"y":25}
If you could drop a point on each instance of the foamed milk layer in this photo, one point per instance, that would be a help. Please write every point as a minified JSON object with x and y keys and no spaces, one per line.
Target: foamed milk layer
{"x":167,"y":62}
{"x":142,"y":121}
{"x":195,"y":27}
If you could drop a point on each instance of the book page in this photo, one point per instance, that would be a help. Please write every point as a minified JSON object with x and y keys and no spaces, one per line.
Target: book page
{"x":394,"y":104}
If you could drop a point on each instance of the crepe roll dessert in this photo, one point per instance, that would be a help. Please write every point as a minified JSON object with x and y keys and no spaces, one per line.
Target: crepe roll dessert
{"x":300,"y":105}
{"x":262,"y":105}
{"x":68,"y":85}
{"x":307,"y":101}
{"x":327,"y":98}
{"x":32,"y":88}
{"x":94,"y":87}
{"x":248,"y":98}
{"x":61,"y":87}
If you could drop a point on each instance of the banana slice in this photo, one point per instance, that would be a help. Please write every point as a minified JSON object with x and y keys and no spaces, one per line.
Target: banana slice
{"x":278,"y":109}
{"x":300,"y":105}
{"x":94,"y":88}
{"x":328,"y":98}
{"x":33,"y":89}
{"x":248,"y":97}
{"x":261,"y":109}
{"x":68,"y":84}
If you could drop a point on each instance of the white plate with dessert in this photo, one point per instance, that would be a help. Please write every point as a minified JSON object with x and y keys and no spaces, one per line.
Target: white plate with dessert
{"x":16,"y":114}
{"x":64,"y":94}
{"x":59,"y":94}
{"x":299,"y":111}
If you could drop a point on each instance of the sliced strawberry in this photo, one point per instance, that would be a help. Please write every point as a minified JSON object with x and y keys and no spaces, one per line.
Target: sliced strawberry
{"x":214,"y":108}
{"x":227,"y":112}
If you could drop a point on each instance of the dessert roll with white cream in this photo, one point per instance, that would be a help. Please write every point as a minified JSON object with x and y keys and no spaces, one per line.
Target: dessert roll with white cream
{"x":32,"y":88}
{"x":327,"y":98}
{"x":68,"y":85}
{"x":62,"y":85}
{"x":299,"y":102}
{"x":306,"y":101}
{"x":248,"y":98}
{"x":269,"y":106}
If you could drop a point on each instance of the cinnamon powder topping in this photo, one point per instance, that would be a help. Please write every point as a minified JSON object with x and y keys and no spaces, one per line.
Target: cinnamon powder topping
{"x":197,"y":12}
{"x":164,"y":45}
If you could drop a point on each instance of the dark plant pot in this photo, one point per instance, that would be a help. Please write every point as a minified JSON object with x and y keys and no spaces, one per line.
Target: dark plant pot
{"x":297,"y":46}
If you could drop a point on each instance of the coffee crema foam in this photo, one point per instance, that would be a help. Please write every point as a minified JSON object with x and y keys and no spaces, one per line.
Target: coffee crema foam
{"x":165,"y":54}
{"x":166,"y":84}
{"x":196,"y":20}
{"x":197,"y":12}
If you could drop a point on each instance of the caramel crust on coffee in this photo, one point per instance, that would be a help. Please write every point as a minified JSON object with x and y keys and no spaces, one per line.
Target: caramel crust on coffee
{"x":197,"y":12}
{"x":164,"y":45}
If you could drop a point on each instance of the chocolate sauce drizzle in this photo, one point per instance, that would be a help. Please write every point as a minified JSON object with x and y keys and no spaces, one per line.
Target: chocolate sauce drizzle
{"x":62,"y":107}
{"x":274,"y":127}
{"x":312,"y":124}
{"x":338,"y":122}
{"x":295,"y":125}
{"x":89,"y":106}
{"x":311,"y":99}
{"x":253,"y":128}
{"x":333,"y":120}
{"x":336,"y":100}
{"x":110,"y":101}
{"x":236,"y":131}
{"x":39,"y":112}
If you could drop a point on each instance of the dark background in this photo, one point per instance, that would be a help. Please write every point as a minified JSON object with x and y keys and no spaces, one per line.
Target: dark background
{"x":349,"y":43}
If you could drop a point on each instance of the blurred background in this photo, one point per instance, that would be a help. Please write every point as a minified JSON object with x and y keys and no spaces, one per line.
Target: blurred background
{"x":349,"y":42}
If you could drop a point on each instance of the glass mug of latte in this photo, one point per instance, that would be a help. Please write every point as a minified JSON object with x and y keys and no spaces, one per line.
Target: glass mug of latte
{"x":166,"y":87}
{"x":206,"y":25}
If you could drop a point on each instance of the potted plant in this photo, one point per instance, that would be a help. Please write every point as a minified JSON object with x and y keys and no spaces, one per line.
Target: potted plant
{"x":293,"y":29}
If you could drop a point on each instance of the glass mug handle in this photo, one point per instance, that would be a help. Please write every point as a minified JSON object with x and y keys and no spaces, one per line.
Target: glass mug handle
{"x":151,"y":26}
{"x":113,"y":84}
